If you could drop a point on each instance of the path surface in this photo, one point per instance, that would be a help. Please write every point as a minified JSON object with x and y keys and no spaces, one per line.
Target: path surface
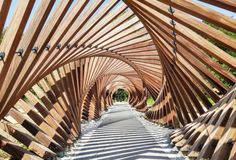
{"x":123,"y":134}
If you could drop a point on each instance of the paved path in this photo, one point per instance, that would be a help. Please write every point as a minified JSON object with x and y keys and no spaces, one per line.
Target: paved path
{"x":124,"y":135}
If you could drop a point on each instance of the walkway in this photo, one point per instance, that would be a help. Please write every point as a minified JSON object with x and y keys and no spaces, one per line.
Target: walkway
{"x":123,"y":134}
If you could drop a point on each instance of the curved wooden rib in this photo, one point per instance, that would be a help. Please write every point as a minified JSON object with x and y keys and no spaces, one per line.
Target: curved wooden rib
{"x":212,"y":134}
{"x":61,"y":61}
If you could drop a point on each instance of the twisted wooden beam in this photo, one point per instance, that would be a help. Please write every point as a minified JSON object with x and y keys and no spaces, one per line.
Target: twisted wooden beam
{"x":61,"y":62}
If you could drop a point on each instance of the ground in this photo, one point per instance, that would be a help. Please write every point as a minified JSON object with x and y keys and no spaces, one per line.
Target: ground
{"x":124,"y":134}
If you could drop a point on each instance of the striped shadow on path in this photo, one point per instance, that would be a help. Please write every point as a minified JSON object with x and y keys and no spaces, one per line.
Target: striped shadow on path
{"x":124,"y":135}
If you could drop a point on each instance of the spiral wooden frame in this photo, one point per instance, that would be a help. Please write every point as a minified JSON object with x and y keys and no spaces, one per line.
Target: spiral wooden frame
{"x":61,"y":63}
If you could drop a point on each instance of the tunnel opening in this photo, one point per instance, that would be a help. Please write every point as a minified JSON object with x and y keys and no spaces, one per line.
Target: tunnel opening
{"x":120,"y":95}
{"x":65,"y":63}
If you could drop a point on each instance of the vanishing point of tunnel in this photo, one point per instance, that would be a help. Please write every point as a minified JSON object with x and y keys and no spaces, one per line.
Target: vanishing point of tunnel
{"x":118,"y":79}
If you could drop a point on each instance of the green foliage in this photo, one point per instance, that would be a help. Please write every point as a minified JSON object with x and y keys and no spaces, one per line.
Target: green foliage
{"x":120,"y":95}
{"x":210,"y":100}
{"x":150,"y":101}
{"x":218,"y":76}
{"x":227,"y":50}
{"x":231,"y":34}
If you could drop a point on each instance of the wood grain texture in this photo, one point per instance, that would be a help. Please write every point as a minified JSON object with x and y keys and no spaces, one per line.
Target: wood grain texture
{"x":62,"y":61}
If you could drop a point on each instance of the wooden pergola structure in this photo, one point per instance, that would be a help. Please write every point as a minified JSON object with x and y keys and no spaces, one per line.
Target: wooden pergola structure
{"x":61,"y":61}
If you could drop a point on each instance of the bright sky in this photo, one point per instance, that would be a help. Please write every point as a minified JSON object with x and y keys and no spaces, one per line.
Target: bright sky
{"x":223,"y":11}
{"x":15,"y":3}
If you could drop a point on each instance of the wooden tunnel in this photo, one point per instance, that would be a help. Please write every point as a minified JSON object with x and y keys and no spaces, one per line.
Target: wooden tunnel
{"x":62,"y":60}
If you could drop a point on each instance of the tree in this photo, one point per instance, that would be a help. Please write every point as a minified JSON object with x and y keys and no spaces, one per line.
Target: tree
{"x":120,"y":95}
